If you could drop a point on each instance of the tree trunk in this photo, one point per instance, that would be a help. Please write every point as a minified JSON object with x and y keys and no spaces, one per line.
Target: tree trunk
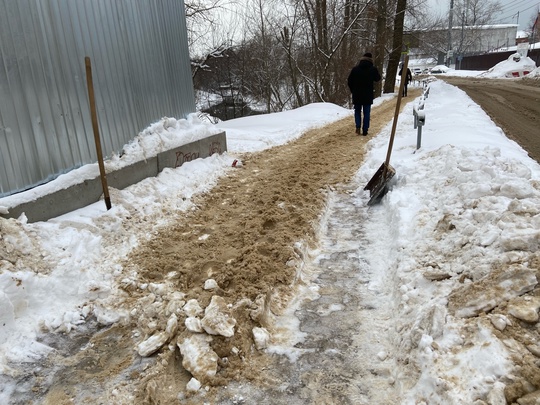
{"x":397,"y":47}
{"x":287,"y":44}
{"x":380,"y":42}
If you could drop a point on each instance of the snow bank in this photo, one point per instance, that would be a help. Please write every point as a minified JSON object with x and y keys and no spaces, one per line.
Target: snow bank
{"x":514,"y":66}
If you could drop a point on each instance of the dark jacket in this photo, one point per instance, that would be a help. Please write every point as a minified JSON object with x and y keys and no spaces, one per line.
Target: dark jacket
{"x":408,"y":76}
{"x":361,"y":81}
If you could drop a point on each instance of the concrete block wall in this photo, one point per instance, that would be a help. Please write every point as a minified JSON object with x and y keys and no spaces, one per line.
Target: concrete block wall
{"x":90,"y":191}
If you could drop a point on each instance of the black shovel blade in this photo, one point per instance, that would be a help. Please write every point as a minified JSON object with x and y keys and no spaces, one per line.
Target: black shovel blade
{"x":378,"y":185}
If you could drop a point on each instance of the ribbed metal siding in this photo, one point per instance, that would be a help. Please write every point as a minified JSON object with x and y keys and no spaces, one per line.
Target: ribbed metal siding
{"x":141,"y":72}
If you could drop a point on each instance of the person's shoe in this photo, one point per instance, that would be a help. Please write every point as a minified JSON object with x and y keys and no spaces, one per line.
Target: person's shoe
{"x":358,"y":131}
{"x":364,"y":133}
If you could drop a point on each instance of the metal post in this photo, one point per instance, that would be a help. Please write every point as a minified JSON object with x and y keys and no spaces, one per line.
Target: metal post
{"x":419,"y":122}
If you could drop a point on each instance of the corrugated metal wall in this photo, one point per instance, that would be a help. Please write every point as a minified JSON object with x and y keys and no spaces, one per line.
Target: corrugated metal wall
{"x":140,"y":68}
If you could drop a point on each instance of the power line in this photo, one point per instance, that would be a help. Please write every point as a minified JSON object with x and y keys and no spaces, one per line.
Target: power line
{"x":500,"y":20}
{"x":513,"y":5}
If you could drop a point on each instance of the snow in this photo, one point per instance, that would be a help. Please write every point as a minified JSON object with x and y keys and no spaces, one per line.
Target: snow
{"x":461,"y":203}
{"x":440,"y":69}
{"x":514,"y":66}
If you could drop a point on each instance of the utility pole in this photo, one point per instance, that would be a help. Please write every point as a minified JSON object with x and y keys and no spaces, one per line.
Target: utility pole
{"x":449,"y":50}
{"x":464,"y":18}
{"x":460,"y":50}
{"x":535,"y":28}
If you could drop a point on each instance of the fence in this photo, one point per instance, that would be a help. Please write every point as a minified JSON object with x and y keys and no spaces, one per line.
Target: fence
{"x":487,"y":61}
{"x":141,"y":72}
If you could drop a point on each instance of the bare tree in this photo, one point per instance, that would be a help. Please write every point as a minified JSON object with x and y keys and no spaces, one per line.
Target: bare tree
{"x":534,"y":28}
{"x":328,"y":34}
{"x":468,"y":34}
{"x":295,"y":52}
{"x":207,"y":40}
{"x":476,"y":12}
{"x":267,"y":59}
{"x":201,"y":63}
{"x":206,"y":31}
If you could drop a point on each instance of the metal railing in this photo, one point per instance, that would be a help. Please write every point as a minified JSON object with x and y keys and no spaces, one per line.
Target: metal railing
{"x":420,"y":114}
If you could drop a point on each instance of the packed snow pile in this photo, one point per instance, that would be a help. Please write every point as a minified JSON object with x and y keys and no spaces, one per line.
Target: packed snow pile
{"x":465,"y":228}
{"x":165,"y":134}
{"x":514,"y":66}
{"x":440,"y":69}
{"x":535,"y":73}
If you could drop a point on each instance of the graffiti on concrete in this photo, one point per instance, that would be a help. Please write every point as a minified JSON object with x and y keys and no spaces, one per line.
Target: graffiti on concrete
{"x":215,"y":147}
{"x":182,"y":158}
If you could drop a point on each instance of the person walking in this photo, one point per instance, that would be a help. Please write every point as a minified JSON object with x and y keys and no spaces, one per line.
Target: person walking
{"x":361,"y":84}
{"x":408,"y":78}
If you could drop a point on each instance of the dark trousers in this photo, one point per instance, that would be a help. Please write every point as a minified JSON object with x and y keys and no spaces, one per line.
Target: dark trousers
{"x":405,"y":89}
{"x":366,"y":109}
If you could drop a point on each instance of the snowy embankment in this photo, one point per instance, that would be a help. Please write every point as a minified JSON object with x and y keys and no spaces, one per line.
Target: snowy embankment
{"x":458,"y":236}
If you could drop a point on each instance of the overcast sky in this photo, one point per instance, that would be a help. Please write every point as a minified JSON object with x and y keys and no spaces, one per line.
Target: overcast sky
{"x":509,"y":14}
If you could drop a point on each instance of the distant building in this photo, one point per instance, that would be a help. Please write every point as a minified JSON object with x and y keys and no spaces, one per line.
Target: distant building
{"x":535,"y":34}
{"x":466,"y":40}
{"x":522,"y":37}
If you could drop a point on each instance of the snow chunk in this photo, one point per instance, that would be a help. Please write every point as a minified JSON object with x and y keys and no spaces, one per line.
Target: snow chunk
{"x":152,"y":344}
{"x":193,"y":385}
{"x":496,"y":395}
{"x":530,"y":399}
{"x":525,"y":310}
{"x":158,"y":289}
{"x":176,"y":303}
{"x":518,"y":188}
{"x":487,"y":293}
{"x":197,"y":356}
{"x":499,"y":321}
{"x":261,"y":337}
{"x":382,"y":355}
{"x":217,"y":320}
{"x":520,"y":239}
{"x":534,"y":349}
{"x":172,"y":325}
{"x":108,"y":316}
{"x":210,"y":284}
{"x":193,"y":324}
{"x":192,"y":308}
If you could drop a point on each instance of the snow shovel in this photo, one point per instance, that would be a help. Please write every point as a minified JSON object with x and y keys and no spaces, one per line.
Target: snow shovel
{"x":378,"y":185}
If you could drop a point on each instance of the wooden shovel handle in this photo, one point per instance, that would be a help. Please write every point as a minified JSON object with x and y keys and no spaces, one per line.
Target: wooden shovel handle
{"x":95,"y":127}
{"x":398,"y":105}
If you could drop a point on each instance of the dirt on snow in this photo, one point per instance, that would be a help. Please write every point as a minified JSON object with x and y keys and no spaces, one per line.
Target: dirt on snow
{"x":249,"y":235}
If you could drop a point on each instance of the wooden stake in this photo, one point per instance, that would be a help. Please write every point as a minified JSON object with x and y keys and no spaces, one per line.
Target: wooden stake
{"x":95,"y":127}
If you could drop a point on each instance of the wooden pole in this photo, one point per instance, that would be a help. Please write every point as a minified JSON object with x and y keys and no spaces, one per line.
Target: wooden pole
{"x":95,"y":127}
{"x":398,"y":105}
